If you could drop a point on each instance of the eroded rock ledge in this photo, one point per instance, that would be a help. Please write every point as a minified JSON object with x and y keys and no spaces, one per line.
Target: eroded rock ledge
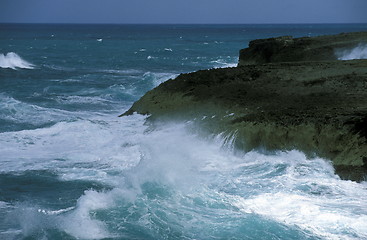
{"x":319,"y":108}
{"x":289,"y":49}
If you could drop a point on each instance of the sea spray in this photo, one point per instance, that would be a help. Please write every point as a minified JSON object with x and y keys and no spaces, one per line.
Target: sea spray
{"x":359,"y":52}
{"x":14,"y":61}
{"x":161,"y":183}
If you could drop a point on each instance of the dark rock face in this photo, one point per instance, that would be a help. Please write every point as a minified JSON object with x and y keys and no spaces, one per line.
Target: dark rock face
{"x":288,"y":49}
{"x":319,"y":108}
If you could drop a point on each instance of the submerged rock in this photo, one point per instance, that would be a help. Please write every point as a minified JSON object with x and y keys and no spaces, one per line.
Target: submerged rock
{"x":319,"y":108}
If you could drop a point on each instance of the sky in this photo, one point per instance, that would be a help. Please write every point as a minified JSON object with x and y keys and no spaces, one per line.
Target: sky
{"x":183,"y":11}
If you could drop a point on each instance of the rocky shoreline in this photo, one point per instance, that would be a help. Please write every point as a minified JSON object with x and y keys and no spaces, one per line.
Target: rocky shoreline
{"x":281,"y":96}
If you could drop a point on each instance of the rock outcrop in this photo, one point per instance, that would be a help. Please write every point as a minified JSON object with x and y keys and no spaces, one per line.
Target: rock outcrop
{"x":318,"y":107}
{"x":288,"y":49}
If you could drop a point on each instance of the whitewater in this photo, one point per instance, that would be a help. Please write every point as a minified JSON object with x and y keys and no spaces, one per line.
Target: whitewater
{"x":71,"y":169}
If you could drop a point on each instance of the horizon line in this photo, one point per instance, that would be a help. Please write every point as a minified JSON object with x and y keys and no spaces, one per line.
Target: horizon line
{"x":75,"y":23}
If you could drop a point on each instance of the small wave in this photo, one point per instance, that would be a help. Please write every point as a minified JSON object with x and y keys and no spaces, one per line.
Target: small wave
{"x":229,"y":65}
{"x":20,"y":112}
{"x":222,"y":63}
{"x":59,"y":68}
{"x":82,"y":100}
{"x":122,"y":72}
{"x":66,"y":80}
{"x":14,"y":61}
{"x":359,"y":52}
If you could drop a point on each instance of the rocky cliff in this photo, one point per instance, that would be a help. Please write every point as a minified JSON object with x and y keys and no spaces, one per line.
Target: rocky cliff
{"x":288,"y":49}
{"x":280,"y":102}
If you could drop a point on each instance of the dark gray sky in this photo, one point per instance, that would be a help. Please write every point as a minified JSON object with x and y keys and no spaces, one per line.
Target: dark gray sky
{"x":183,"y":11}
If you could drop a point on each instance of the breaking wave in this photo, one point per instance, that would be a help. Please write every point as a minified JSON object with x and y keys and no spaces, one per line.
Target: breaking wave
{"x":14,"y":61}
{"x":158,"y":190}
{"x":158,"y":78}
{"x":359,"y":52}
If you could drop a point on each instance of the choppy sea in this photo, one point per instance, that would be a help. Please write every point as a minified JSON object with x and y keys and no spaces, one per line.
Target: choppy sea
{"x":71,"y":169}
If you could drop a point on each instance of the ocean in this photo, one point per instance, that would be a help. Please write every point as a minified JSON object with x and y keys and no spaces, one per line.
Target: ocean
{"x":71,"y":169}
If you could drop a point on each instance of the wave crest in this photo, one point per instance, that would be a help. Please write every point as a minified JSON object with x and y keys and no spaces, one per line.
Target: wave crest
{"x":14,"y":61}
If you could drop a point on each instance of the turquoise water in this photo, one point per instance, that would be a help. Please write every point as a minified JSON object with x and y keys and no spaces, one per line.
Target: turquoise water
{"x":71,"y":169}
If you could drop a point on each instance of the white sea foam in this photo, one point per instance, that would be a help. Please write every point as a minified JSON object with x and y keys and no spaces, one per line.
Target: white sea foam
{"x":78,"y":223}
{"x":286,"y":187}
{"x":55,"y":212}
{"x":225,"y":62}
{"x":309,"y":196}
{"x":14,"y":61}
{"x":69,"y":80}
{"x":94,"y":150}
{"x":21,"y":112}
{"x":3,"y":204}
{"x":123,"y":72}
{"x":82,"y":100}
{"x":329,"y":218}
{"x":198,"y":174}
{"x":359,"y":52}
{"x":93,"y":142}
